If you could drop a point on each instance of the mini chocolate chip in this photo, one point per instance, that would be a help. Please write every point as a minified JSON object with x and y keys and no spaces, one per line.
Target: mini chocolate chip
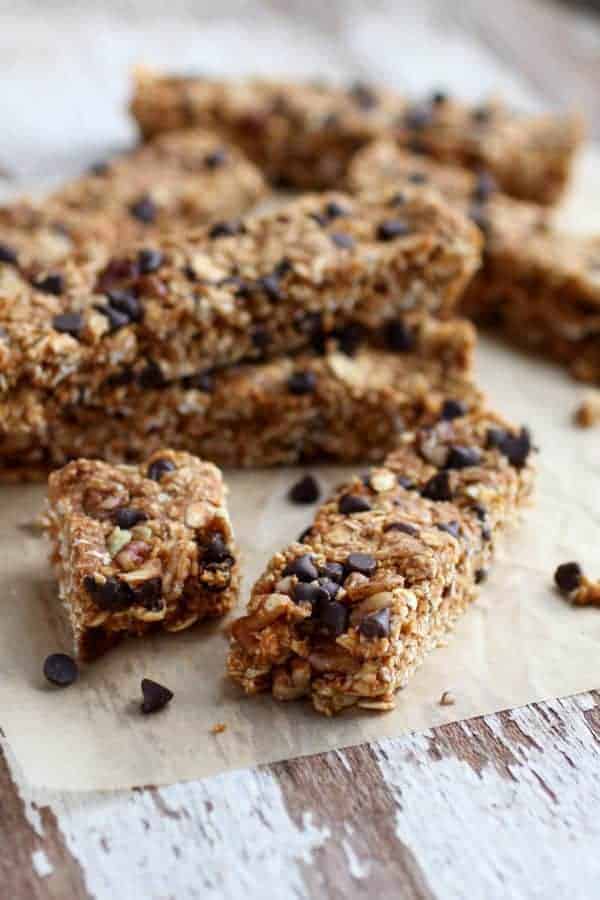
{"x":438,"y":98}
{"x":304,"y":534}
{"x":480,"y":575}
{"x":112,"y":595}
{"x":398,"y":336}
{"x":125,"y":303}
{"x":226,"y":229}
{"x":155,"y":696}
{"x":216,"y":551}
{"x":320,"y":218}
{"x":376,"y":624}
{"x":353,"y":503}
{"x":333,"y":571}
{"x":99,"y":168}
{"x":481,"y":114}
{"x":345,"y":241}
{"x":310,"y":592}
{"x":150,"y":261}
{"x":418,"y":178}
{"x":306,"y":490}
{"x":480,"y":511}
{"x":437,"y":488}
{"x":363,"y":95}
{"x":417,"y":117}
{"x":144,"y":209}
{"x":201,"y":381}
{"x":485,"y":186}
{"x":404,"y":527}
{"x":8,"y":255}
{"x":397,"y":199}
{"x":160,"y":467}
{"x":116,"y":318}
{"x":270,"y":285}
{"x":331,"y":588}
{"x":452,"y":528}
{"x":149,"y":594}
{"x":363,"y":563}
{"x":407,"y":483}
{"x":68,"y":323}
{"x":51,"y":284}
{"x":515,"y":447}
{"x":486,"y":533}
{"x":216,"y":159}
{"x":349,"y":338}
{"x":460,"y":457}
{"x":152,"y":377}
{"x":334,"y":210}
{"x":303,"y":568}
{"x":452,"y":409}
{"x":127,"y":517}
{"x":568,"y":577}
{"x":333,"y":616}
{"x":60,"y":669}
{"x":302,"y":383}
{"x":390,"y":229}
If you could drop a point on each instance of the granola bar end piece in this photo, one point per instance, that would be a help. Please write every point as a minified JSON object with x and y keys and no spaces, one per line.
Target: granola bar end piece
{"x":139,"y":548}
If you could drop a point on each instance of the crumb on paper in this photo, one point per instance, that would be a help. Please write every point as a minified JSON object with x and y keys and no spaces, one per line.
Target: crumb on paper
{"x":573,"y":584}
{"x":218,"y":728}
{"x":587,"y":413}
{"x":41,"y":864}
{"x":447,"y":699}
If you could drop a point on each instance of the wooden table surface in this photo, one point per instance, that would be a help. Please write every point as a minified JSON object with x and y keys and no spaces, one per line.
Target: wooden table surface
{"x":497,"y":807}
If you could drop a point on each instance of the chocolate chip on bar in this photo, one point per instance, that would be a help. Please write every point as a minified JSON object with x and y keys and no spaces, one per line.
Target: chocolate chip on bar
{"x":139,"y":548}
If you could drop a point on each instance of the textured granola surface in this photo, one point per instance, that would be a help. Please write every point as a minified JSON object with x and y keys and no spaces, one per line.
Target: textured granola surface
{"x":537,"y":284}
{"x":139,"y":548}
{"x":346,"y":614}
{"x":347,"y":404}
{"x":306,"y":134}
{"x":270,"y":284}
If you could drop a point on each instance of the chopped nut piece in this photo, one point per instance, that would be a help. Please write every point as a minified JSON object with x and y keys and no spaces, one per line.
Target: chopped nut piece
{"x":447,"y":699}
{"x":218,"y":728}
{"x":587,"y":413}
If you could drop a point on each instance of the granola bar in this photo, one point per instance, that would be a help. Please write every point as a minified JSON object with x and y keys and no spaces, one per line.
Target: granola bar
{"x":139,"y":548}
{"x":236,"y":291}
{"x":334,"y":406}
{"x":180,"y":180}
{"x":348,"y":612}
{"x":537,"y":285}
{"x":305,"y":134}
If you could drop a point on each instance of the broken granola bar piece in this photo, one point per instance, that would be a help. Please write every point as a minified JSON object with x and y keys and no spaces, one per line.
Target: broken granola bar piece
{"x":304,"y":135}
{"x":388,"y":565}
{"x":139,"y":548}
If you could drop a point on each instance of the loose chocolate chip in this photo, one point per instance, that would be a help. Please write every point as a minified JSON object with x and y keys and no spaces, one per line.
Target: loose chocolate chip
{"x":390,"y":229}
{"x":125,"y":303}
{"x":480,"y":575}
{"x":60,"y":669}
{"x":353,"y":503}
{"x":345,"y":241}
{"x":333,"y":616}
{"x":111,"y":595}
{"x":304,"y":534}
{"x":201,"y":381}
{"x":437,"y":488}
{"x":8,"y":255}
{"x":515,"y":447}
{"x":310,"y":592}
{"x":452,"y":528}
{"x":484,"y":187}
{"x":150,"y":261}
{"x":376,"y":625}
{"x":302,"y":383}
{"x":216,"y":159}
{"x":363,"y":96}
{"x":144,"y":209}
{"x":149,"y":594}
{"x":363,"y":563}
{"x":160,"y":467}
{"x":155,"y":696}
{"x":452,"y":409}
{"x":51,"y":284}
{"x":568,"y":577}
{"x":152,"y":377}
{"x":418,"y":178}
{"x":226,"y":229}
{"x":306,"y":490}
{"x":404,"y":527}
{"x":303,"y":568}
{"x":270,"y":285}
{"x":407,"y":483}
{"x":216,"y":551}
{"x":460,"y":457}
{"x":332,"y":571}
{"x":398,"y":336}
{"x":416,"y":118}
{"x":127,"y":517}
{"x":331,"y":588}
{"x":438,"y":98}
{"x":68,"y":323}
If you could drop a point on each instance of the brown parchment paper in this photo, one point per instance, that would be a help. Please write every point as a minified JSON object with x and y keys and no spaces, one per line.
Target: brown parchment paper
{"x":519,"y":643}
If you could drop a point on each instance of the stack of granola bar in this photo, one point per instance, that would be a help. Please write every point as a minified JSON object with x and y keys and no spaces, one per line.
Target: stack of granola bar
{"x":148,"y":305}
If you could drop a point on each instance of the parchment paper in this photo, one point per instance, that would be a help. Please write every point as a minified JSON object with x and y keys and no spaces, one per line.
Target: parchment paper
{"x":519,"y":643}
